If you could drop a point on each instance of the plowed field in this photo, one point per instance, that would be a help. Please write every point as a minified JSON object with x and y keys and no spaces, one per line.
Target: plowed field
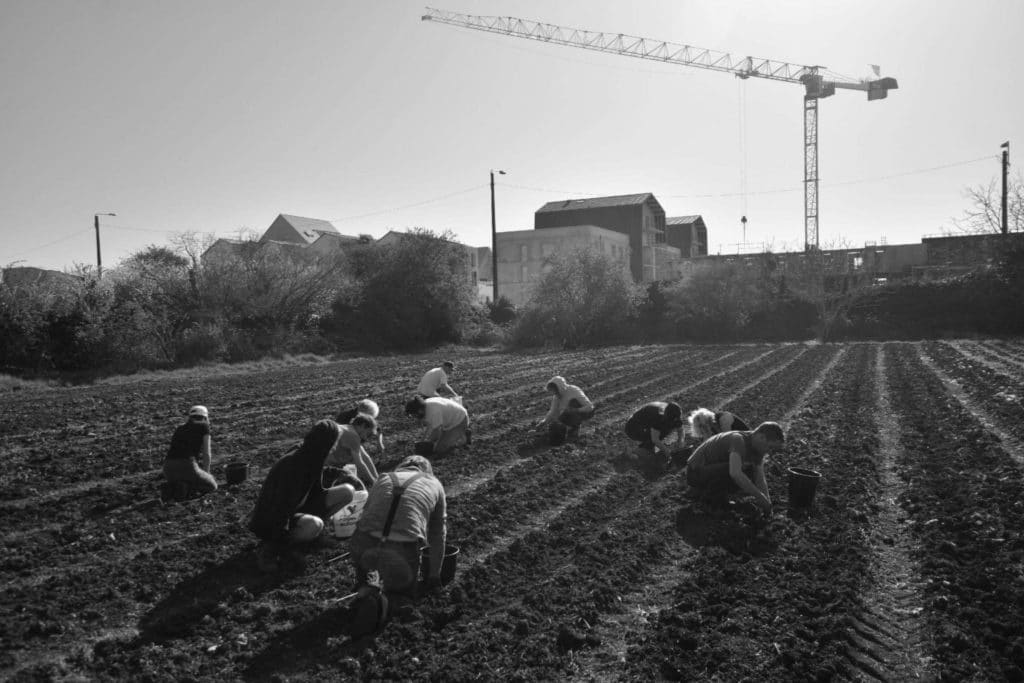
{"x":573,"y":566}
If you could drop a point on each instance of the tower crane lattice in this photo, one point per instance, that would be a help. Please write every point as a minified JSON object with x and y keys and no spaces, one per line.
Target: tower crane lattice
{"x":818,"y":81}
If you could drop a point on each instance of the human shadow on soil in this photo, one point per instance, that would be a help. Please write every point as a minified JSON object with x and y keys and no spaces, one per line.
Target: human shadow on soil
{"x":732,"y":527}
{"x":234,"y":580}
{"x":322,"y":639}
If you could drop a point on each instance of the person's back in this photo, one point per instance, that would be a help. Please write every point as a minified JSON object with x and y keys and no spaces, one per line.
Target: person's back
{"x":443,"y":413}
{"x":433,"y":380}
{"x":715,"y":450}
{"x":420,"y":502}
{"x":187,"y":440}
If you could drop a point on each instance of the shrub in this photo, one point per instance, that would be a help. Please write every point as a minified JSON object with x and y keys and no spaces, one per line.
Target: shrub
{"x":583,"y":298}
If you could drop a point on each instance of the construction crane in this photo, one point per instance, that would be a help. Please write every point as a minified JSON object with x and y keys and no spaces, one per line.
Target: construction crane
{"x":818,"y":82}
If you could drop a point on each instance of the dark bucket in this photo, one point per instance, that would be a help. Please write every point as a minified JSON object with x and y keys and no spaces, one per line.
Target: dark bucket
{"x":424,"y":448}
{"x":557,"y":433}
{"x":448,"y":564}
{"x":236,"y":472}
{"x":803,"y":483}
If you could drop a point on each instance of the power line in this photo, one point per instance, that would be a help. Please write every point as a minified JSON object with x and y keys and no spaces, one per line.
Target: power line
{"x":409,"y":206}
{"x":50,"y":244}
{"x":763,"y":192}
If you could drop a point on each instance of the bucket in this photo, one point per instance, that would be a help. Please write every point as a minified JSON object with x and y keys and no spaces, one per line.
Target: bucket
{"x":448,"y":564}
{"x":424,"y":448}
{"x":236,"y":472}
{"x":557,"y":433}
{"x":803,"y":483}
{"x":342,"y":523}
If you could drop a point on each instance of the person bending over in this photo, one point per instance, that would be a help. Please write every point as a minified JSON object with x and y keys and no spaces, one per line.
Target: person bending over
{"x":446,"y":423}
{"x":188,"y":458}
{"x":732,"y":461}
{"x":436,"y":381}
{"x":569,"y":407}
{"x":364,"y":407}
{"x":704,"y":423}
{"x":652,"y":425}
{"x":293,"y":504}
{"x":418,"y":522}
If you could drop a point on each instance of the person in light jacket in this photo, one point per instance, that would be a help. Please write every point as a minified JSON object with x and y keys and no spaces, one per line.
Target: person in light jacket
{"x":569,"y":407}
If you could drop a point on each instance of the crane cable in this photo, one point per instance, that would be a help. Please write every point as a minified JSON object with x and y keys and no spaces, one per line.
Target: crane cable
{"x":741,"y":104}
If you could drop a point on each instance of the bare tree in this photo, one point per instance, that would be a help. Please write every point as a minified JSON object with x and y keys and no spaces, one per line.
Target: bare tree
{"x":985,"y":213}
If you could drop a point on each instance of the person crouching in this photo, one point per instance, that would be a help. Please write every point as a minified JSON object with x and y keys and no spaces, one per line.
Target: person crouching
{"x":733,"y":461}
{"x":293,"y":504}
{"x":570,"y":408}
{"x":704,"y":423}
{"x":405,"y":512}
{"x":187,"y":465}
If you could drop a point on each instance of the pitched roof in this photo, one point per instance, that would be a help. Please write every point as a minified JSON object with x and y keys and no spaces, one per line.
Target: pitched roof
{"x":682,"y":220}
{"x":595,"y":202}
{"x":309,"y":228}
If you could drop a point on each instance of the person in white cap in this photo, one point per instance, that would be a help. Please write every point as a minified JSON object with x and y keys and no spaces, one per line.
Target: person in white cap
{"x":188,"y":458}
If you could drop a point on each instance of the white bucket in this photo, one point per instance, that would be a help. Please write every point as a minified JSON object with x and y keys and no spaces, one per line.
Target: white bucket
{"x":343,"y":522}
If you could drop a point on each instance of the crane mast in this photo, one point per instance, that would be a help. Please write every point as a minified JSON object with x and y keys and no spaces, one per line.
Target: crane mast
{"x":818,"y":82}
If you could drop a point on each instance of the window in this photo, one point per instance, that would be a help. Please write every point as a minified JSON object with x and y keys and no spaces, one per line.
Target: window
{"x":525,"y":273}
{"x":524,"y":252}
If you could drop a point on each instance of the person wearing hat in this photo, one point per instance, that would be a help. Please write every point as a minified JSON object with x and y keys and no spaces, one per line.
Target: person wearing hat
{"x":188,"y":458}
{"x":436,"y":380}
{"x":364,"y":407}
{"x":569,"y":407}
{"x":732,"y":461}
{"x":418,"y":521}
{"x":446,"y":422}
{"x":652,"y":425}
{"x":293,"y":504}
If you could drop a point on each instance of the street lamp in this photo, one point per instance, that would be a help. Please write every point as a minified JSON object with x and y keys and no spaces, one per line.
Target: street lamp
{"x":99,"y":261}
{"x":494,"y":242}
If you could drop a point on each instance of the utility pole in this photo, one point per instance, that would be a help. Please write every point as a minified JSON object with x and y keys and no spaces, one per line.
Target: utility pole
{"x":1006,"y":171}
{"x":99,"y":260}
{"x":494,"y":244}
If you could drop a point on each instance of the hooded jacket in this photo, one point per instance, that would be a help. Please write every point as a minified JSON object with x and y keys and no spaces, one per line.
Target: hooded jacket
{"x":291,"y":481}
{"x":566,"y":393}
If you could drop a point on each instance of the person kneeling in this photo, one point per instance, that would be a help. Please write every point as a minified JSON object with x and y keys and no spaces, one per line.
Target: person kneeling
{"x":653,"y":425}
{"x":733,"y":461}
{"x":404,"y":513}
{"x":293,"y":503}
{"x":447,"y":423}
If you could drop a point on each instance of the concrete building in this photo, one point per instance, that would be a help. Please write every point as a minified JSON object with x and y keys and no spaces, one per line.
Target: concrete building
{"x":638,"y":216}
{"x":522,"y":253}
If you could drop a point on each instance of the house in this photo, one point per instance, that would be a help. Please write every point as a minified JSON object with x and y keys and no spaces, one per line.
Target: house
{"x":689,"y":234}
{"x":522,"y":254}
{"x":297,"y":229}
{"x":638,"y":216}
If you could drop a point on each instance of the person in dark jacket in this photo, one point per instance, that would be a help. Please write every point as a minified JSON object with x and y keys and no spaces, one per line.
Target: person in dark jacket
{"x":293,"y":503}
{"x":188,"y":459}
{"x":652,"y":425}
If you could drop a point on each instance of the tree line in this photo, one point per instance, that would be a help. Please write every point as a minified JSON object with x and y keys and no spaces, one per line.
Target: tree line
{"x":165,"y":307}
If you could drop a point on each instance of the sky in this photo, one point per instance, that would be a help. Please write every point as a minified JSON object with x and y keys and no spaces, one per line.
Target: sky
{"x":190,"y":116}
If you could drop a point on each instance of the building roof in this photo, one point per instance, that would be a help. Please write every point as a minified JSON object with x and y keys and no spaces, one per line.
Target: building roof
{"x":682,"y":220}
{"x":309,"y":228}
{"x":596,"y":202}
